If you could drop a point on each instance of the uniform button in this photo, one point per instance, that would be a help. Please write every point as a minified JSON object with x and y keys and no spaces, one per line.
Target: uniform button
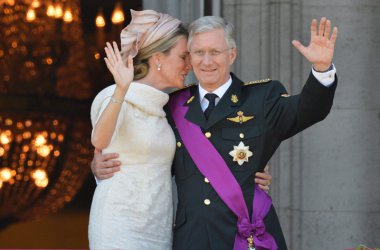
{"x":206,"y":180}
{"x":208,"y":134}
{"x":241,"y":135}
{"x":179,"y":144}
{"x":207,"y":202}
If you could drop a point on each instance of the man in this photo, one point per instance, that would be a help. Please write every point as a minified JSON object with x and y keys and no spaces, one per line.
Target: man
{"x":227,"y":130}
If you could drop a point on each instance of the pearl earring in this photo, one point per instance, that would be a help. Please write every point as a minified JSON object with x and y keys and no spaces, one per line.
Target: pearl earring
{"x":158,"y":66}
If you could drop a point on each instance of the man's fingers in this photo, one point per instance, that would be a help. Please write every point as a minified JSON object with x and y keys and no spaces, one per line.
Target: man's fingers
{"x":326,"y":33}
{"x":109,"y":156}
{"x":322,"y":24}
{"x":299,"y":46}
{"x":105,"y":176}
{"x":313,"y":28}
{"x":334,"y":35}
{"x":108,"y":170}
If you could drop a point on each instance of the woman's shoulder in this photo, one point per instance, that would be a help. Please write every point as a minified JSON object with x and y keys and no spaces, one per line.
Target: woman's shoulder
{"x":107,"y":91}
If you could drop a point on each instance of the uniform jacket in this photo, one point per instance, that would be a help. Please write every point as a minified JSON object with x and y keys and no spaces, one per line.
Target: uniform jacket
{"x":203,"y":221}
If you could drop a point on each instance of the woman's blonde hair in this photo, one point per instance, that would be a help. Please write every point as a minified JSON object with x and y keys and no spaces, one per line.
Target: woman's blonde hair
{"x":164,"y":45}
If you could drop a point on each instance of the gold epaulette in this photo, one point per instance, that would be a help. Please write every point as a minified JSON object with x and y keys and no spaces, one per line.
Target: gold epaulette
{"x":257,"y":82}
{"x":186,"y":87}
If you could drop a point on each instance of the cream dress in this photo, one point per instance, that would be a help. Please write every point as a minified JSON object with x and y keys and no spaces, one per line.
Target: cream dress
{"x":134,"y":209}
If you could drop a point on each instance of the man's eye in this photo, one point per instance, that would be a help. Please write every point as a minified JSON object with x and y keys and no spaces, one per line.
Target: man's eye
{"x":199,"y":53}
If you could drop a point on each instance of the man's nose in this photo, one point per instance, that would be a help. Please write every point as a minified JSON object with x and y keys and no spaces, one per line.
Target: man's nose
{"x":207,"y":58}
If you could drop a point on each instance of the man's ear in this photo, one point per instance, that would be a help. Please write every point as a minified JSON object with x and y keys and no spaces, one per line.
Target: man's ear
{"x":233,"y":55}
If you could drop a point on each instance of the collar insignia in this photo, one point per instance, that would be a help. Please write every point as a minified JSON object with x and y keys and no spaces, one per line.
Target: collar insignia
{"x":190,"y":100}
{"x":234,"y":99}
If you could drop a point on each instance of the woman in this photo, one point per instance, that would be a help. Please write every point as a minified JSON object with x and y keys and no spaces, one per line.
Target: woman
{"x":134,"y":209}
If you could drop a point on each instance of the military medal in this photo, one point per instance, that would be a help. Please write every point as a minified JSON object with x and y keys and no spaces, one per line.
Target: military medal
{"x":241,"y":153}
{"x":251,"y":246}
{"x":240,"y":118}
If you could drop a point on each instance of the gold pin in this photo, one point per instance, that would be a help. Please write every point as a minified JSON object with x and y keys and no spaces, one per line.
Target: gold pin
{"x":190,"y":100}
{"x":285,"y":95}
{"x":234,"y":99}
{"x":240,"y":118}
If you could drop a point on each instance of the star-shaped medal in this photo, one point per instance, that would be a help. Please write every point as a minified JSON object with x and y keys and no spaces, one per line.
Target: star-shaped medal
{"x":241,"y":153}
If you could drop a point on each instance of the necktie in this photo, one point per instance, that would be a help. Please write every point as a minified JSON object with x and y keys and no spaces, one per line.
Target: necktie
{"x":211,"y":105}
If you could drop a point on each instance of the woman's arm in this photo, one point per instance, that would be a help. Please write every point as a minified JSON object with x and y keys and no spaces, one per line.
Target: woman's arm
{"x":123,"y":76}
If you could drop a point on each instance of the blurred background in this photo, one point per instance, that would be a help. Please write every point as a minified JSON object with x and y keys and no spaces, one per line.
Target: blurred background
{"x":326,"y":179}
{"x":51,"y":67}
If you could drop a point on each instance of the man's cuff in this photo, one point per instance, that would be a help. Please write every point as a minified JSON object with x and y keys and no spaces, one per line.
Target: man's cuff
{"x":325,"y":78}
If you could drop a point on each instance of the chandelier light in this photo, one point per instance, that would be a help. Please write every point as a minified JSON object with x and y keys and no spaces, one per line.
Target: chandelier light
{"x":45,"y":95}
{"x":117,"y":14}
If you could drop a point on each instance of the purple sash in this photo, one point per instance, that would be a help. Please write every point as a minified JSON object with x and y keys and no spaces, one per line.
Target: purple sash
{"x":212,"y":165}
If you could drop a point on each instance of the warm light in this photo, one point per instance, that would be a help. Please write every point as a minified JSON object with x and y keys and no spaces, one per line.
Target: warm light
{"x":50,"y":10}
{"x":10,"y":2}
{"x":28,"y":123}
{"x":14,"y":44}
{"x":39,"y":141}
{"x":61,"y":137}
{"x":39,"y":174}
{"x":26,"y":135}
{"x":5,"y":174}
{"x":5,"y":137}
{"x":53,"y":135}
{"x":49,"y":60}
{"x":56,"y":153}
{"x":117,"y":14}
{"x":30,"y":15}
{"x":1,"y":184}
{"x":35,"y":4}
{"x":97,"y":55}
{"x":68,"y":16}
{"x":41,"y":183}
{"x":25,"y":148}
{"x":43,"y":151}
{"x":100,"y":21}
{"x":58,"y":11}
{"x":2,"y":151}
{"x":8,"y":122}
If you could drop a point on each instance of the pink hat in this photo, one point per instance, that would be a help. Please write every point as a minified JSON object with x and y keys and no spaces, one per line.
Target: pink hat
{"x":145,"y":28}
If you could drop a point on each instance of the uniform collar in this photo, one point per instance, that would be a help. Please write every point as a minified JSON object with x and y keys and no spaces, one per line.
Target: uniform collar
{"x":225,"y":107}
{"x":219,"y":92}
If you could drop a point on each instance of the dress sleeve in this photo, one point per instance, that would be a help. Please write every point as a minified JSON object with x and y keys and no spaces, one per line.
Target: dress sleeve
{"x":99,"y":105}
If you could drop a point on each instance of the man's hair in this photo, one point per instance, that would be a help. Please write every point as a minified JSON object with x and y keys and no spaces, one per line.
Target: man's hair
{"x":209,"y":23}
{"x":164,"y":45}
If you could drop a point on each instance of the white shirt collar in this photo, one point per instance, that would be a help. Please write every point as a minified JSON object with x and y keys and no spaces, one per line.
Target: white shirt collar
{"x":219,"y":92}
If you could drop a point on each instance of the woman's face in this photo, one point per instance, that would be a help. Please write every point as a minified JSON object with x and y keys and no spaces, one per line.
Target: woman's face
{"x":175,"y":65}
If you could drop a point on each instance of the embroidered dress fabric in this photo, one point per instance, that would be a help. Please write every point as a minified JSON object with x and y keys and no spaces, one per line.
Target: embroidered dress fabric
{"x":134,"y":209}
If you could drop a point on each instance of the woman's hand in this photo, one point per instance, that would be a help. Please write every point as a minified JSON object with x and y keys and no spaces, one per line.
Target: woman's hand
{"x":122,"y":72}
{"x":263,"y":179}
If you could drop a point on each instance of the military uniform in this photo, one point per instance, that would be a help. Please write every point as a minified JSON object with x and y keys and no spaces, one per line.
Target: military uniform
{"x":260,"y":114}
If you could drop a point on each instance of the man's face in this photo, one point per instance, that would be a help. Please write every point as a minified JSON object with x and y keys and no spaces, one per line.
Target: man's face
{"x":211,"y":58}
